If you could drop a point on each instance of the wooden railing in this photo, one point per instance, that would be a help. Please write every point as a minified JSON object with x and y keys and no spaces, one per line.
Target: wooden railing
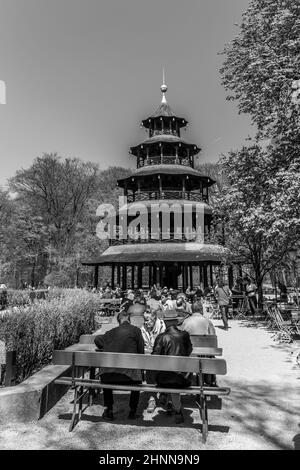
{"x":165,"y":160}
{"x":167,"y":194}
{"x":162,"y":238}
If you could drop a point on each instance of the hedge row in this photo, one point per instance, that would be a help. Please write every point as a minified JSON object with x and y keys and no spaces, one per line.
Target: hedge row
{"x":35,"y":330}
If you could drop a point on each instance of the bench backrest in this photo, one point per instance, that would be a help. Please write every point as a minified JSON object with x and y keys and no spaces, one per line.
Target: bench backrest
{"x":205,"y":341}
{"x":110,"y":301}
{"x":140,"y":361}
{"x":87,"y":339}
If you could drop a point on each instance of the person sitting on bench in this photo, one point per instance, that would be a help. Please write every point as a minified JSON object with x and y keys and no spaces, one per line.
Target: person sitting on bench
{"x":125,"y":338}
{"x":173,"y":342}
{"x":151,"y":328}
{"x":197,"y":324}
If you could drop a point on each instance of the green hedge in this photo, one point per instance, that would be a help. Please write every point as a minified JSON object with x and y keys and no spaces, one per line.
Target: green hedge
{"x":34,"y":331}
{"x":18,"y":298}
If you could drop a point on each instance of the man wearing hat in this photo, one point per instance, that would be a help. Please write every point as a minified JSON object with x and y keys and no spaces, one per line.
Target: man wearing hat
{"x":173,"y":342}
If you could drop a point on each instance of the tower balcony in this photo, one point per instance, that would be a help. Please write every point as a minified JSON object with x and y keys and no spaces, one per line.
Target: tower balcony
{"x":167,"y":194}
{"x":165,"y":160}
{"x":161,"y":237}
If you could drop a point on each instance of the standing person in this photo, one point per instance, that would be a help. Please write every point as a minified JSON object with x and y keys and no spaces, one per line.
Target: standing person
{"x":125,"y":338}
{"x":151,"y":328}
{"x":173,"y":342}
{"x":223,"y":296}
{"x":236,"y":293}
{"x":128,"y":302}
{"x":251,"y":289}
{"x":3,"y":297}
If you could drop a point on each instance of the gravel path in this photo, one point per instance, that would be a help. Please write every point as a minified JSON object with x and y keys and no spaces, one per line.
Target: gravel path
{"x":262,"y":412}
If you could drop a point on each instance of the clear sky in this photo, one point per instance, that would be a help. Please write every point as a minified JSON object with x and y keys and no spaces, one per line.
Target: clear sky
{"x":82,"y":74}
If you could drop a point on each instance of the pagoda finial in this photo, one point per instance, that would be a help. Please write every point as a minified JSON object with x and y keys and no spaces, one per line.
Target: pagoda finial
{"x":164,"y":89}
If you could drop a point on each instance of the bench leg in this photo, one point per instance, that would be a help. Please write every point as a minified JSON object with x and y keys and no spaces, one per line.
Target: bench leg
{"x":80,"y":402}
{"x":91,"y":390}
{"x":202,"y":405}
{"x":204,"y":421}
{"x":74,"y":415}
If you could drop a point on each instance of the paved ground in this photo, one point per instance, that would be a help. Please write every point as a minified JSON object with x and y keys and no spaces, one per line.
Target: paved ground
{"x":262,"y":412}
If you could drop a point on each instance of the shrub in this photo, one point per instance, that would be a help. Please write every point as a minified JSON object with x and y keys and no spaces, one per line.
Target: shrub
{"x":57,"y":279}
{"x":18,"y":298}
{"x":36,"y":330}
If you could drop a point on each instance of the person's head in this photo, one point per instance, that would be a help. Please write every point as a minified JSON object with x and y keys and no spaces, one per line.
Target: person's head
{"x":170,"y":322}
{"x":130,"y":295}
{"x":140,"y":300}
{"x":163,"y":299}
{"x":150,"y":317}
{"x":123,"y":316}
{"x":247,"y":280}
{"x":180,"y":302}
{"x":197,"y":307}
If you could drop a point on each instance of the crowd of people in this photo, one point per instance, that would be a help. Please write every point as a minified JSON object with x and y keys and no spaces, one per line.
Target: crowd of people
{"x":169,"y":319}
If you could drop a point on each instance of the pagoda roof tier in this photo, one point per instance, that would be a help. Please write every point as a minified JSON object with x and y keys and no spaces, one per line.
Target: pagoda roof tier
{"x":160,"y":252}
{"x":176,"y":170}
{"x":164,"y":111}
{"x":163,"y":139}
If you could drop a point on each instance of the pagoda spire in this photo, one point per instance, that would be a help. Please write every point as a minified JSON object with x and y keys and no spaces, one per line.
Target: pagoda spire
{"x":164,"y":89}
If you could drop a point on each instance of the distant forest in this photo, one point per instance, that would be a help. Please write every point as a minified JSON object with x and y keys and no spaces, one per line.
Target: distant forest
{"x":48,"y":220}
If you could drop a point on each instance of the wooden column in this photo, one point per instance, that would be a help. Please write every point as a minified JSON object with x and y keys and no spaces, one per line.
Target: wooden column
{"x":154,"y":274}
{"x":147,"y":160}
{"x":183,"y":278}
{"x":200,"y":274}
{"x":118,"y":275}
{"x":186,"y":267}
{"x":160,"y":185}
{"x":183,"y":187}
{"x":176,"y":154}
{"x":140,"y":276}
{"x":139,"y":190}
{"x":124,"y":277}
{"x":150,"y":276}
{"x":96,"y":276}
{"x":132,"y":277}
{"x":191,"y":276}
{"x":211,"y":275}
{"x":160,"y":276}
{"x":205,"y":276}
{"x":161,"y":154}
{"x":112,"y":276}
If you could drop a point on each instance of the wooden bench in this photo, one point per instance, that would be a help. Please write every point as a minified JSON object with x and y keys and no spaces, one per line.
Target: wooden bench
{"x":205,"y":341}
{"x":91,"y":359}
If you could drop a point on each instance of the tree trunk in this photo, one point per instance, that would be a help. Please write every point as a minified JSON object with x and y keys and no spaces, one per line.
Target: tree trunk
{"x":33,"y":275}
{"x":259,"y":283}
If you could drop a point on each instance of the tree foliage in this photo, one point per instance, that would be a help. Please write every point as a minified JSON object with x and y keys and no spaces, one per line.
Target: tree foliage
{"x":262,"y":66}
{"x":50,"y":224}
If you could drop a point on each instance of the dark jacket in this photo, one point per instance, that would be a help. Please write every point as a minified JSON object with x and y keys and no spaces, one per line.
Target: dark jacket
{"x":125,"y":338}
{"x":173,"y":342}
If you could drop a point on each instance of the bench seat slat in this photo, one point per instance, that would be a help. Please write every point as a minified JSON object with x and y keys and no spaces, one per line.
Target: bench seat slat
{"x":140,"y":361}
{"x":197,"y":351}
{"x":143,"y":387}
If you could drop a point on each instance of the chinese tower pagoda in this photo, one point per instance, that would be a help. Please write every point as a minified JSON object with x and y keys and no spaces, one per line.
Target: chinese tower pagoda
{"x":165,"y":175}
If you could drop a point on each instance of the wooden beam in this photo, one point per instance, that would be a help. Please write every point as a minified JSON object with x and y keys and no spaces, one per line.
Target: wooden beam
{"x":96,"y":276}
